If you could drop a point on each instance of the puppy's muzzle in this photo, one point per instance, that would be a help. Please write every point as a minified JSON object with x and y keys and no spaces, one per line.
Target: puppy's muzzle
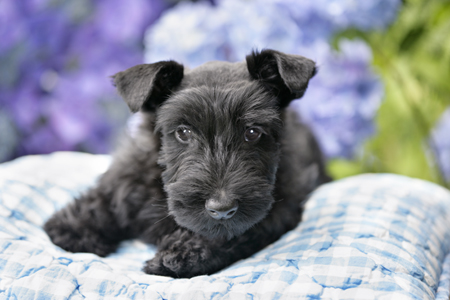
{"x":221,"y":210}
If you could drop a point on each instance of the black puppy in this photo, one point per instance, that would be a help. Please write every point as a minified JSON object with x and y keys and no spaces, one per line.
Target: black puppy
{"x":218,"y":170}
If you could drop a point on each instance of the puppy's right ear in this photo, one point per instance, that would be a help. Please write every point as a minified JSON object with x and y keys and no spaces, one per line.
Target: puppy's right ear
{"x":145,"y":87}
{"x":285,"y":75}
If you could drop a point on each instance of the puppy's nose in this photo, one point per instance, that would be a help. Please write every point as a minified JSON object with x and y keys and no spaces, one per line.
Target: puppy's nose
{"x":221,"y":209}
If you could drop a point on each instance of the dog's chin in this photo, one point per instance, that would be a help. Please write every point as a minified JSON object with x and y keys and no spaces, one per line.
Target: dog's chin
{"x":217,"y":229}
{"x":223,"y":230}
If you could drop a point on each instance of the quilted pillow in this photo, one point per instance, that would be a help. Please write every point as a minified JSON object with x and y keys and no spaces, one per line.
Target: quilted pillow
{"x":374,"y":236}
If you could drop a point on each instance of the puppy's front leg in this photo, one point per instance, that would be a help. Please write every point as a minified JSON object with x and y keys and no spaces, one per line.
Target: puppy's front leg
{"x":184,"y":254}
{"x":86,"y":225}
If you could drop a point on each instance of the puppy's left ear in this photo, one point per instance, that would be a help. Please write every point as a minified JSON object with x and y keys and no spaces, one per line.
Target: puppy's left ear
{"x":285,"y":75}
{"x":145,"y":87}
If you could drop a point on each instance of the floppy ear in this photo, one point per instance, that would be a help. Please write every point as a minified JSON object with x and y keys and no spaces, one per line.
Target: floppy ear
{"x":285,"y":75}
{"x":146,"y":86}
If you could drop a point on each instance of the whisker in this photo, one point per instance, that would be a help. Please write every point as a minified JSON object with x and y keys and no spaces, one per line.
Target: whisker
{"x":161,"y":219}
{"x":163,"y":206}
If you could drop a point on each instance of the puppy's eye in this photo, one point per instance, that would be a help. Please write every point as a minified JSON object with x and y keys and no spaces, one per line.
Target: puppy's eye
{"x":183,"y":134}
{"x":252,"y":134}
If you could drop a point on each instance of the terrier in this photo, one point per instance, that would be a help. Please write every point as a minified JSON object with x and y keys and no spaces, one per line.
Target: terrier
{"x":218,"y":169}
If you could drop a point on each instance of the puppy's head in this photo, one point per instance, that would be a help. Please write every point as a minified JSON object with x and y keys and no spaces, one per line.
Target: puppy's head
{"x":220,"y":126}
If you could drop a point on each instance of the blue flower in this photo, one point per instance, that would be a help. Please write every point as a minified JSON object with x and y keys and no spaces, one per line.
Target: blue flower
{"x":365,"y":15}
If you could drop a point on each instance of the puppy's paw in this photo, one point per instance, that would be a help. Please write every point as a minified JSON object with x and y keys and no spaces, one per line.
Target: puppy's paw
{"x":76,"y":238}
{"x":183,"y":264}
{"x":181,"y":256}
{"x":156,"y":266}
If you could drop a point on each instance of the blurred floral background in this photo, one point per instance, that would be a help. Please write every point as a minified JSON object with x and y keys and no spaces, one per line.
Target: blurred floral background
{"x":380,"y":102}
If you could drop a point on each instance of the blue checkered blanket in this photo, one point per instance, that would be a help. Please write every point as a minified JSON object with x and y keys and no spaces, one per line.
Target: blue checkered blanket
{"x":366,"y":237}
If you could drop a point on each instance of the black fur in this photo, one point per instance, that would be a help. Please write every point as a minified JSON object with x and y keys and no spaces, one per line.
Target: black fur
{"x":158,"y":183}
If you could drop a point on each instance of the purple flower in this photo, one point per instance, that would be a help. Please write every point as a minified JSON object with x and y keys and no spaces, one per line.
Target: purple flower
{"x":56,"y":58}
{"x":440,"y":143}
{"x":342,"y":100}
{"x":10,"y":35}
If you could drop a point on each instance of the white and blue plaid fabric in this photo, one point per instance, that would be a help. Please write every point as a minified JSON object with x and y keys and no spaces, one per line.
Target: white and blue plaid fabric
{"x":367,"y":237}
